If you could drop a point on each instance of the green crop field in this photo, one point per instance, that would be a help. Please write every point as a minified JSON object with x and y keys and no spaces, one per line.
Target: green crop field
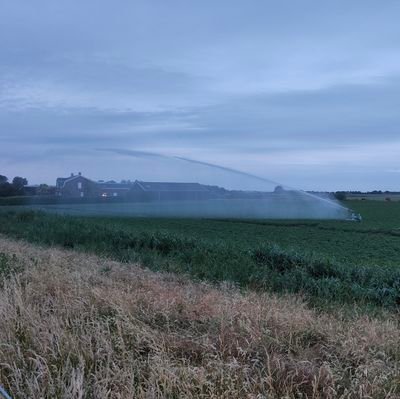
{"x":324,"y":260}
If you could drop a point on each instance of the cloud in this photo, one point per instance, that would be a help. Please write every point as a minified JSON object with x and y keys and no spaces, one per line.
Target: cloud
{"x":291,"y":91}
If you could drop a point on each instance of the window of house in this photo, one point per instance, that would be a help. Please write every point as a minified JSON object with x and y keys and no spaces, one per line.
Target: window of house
{"x":79,"y":185}
{"x":82,"y":194}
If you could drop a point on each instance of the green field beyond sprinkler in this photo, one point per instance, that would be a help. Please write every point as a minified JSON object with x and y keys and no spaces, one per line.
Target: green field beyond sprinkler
{"x":326,"y":260}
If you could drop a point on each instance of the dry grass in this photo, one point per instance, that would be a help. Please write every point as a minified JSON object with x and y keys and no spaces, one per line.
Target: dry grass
{"x":76,"y":326}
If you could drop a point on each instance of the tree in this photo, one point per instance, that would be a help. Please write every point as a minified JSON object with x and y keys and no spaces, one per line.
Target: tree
{"x":279,"y":189}
{"x":340,"y":195}
{"x":6,"y":190}
{"x":18,"y":185}
{"x":19,"y":182}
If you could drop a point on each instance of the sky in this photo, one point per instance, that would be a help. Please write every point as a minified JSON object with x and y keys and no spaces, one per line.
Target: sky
{"x":306,"y":93}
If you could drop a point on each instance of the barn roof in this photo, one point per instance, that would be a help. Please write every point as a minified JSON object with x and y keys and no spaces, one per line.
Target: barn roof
{"x":169,"y":186}
{"x":114,"y":186}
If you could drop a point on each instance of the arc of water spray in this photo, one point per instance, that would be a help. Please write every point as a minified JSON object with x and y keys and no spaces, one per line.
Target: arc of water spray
{"x":146,"y":154}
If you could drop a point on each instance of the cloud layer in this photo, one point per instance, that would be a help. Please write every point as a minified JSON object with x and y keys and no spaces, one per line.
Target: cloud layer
{"x":301,"y":92}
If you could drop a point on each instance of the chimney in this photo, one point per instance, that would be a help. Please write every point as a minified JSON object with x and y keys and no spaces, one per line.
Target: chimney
{"x":79,"y":173}
{"x":72,"y":175}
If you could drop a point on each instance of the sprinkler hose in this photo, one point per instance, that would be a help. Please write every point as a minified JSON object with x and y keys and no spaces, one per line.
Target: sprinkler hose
{"x":4,"y":394}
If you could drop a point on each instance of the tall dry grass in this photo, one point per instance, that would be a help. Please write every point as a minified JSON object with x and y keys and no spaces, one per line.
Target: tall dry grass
{"x":77,"y":326}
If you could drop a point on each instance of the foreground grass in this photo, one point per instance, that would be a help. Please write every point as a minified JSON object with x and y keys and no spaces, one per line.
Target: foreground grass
{"x":262,"y":265}
{"x":79,"y":326}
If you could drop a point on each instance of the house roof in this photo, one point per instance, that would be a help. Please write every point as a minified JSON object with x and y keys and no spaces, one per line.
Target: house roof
{"x":169,"y":186}
{"x":61,"y":181}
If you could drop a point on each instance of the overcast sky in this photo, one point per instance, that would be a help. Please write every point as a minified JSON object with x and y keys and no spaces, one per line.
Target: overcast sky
{"x":302,"y":92}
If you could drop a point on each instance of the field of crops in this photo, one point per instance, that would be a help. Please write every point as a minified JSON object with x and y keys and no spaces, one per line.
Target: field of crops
{"x":348,"y":261}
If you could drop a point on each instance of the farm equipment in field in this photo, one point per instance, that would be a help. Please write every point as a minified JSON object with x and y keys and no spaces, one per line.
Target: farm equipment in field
{"x":354,"y":217}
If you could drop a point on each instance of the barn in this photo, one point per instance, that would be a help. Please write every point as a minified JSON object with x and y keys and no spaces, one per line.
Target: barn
{"x":169,"y":191}
{"x":114,"y":189}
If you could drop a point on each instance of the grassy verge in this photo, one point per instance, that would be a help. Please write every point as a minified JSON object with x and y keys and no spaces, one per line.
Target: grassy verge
{"x":75,"y":325}
{"x":267,"y":267}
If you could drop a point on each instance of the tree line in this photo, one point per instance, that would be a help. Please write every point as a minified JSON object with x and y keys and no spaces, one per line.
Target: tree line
{"x":15,"y":187}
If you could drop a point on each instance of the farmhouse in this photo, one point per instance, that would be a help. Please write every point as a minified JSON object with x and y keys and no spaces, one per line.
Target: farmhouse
{"x":76,"y":186}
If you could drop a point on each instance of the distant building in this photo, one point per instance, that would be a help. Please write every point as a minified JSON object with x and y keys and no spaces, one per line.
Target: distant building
{"x":31,"y":189}
{"x":39,"y":190}
{"x":164,"y":191}
{"x":76,"y":186}
{"x":113,"y":189}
